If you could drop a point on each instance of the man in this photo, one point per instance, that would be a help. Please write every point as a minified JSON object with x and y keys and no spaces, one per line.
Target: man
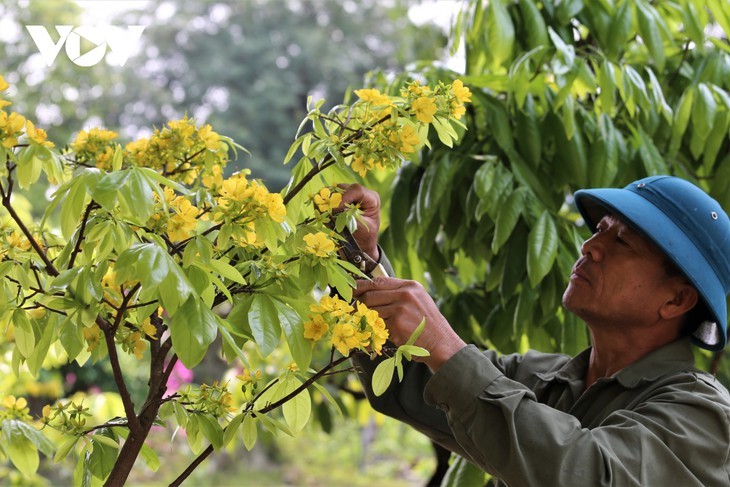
{"x":630,"y":410}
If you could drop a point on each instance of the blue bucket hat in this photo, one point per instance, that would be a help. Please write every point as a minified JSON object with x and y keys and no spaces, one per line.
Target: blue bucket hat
{"x":688,"y":225}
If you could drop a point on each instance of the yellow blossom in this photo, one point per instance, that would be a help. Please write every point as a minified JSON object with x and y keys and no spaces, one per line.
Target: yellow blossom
{"x":331,"y":305}
{"x":4,"y":86}
{"x":274,"y":203}
{"x":213,"y":179}
{"x":148,"y":328}
{"x":16,"y":408}
{"x":461,"y":92}
{"x":37,"y":313}
{"x":38,"y":136}
{"x":93,"y":140}
{"x":316,"y":328}
{"x":92,"y":336}
{"x":408,"y":139}
{"x":319,"y":244}
{"x":11,"y":127}
{"x":327,"y":200}
{"x":345,"y":337}
{"x":361,"y":166}
{"x":416,"y":89}
{"x":373,"y":96}
{"x":458,"y":111}
{"x":425,"y":108}
{"x":246,"y":377}
{"x":19,"y":241}
{"x":183,"y":222}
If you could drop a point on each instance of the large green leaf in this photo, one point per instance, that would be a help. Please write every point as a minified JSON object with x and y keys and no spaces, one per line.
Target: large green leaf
{"x":542,"y":248}
{"x":298,"y":409}
{"x":293,"y":326}
{"x":192,"y":329}
{"x":263,"y":318}
{"x":19,"y":448}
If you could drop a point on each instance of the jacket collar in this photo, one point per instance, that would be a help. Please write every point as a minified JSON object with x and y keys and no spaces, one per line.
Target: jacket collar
{"x":674,"y":357}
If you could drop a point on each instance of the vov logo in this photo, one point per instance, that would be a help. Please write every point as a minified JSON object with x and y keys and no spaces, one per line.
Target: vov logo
{"x":120,"y":41}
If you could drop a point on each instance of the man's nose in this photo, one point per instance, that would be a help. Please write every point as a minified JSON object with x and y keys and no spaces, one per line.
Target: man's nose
{"x":593,"y":247}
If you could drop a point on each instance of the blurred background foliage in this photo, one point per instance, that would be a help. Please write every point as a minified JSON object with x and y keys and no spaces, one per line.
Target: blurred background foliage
{"x":246,"y":66}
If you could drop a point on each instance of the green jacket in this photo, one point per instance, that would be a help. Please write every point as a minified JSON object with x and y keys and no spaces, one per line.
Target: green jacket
{"x":526,"y":420}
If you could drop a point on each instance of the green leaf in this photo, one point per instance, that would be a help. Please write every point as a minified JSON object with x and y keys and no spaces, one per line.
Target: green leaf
{"x":103,"y":456}
{"x":681,"y":119}
{"x":227,"y":271}
{"x":249,"y":431}
{"x":542,"y":248}
{"x":619,"y":30}
{"x":703,"y":111}
{"x":65,"y":448}
{"x":24,"y":336}
{"x":298,"y":409}
{"x":417,"y":332}
{"x":534,"y":24}
{"x":232,"y":428}
{"x":30,"y":163}
{"x":409,"y":351}
{"x":649,"y":29}
{"x":21,"y":450}
{"x":383,"y":376}
{"x":500,"y":34}
{"x":211,"y":430}
{"x":192,"y":329}
{"x":264,"y":322}
{"x":293,"y":326}
{"x":230,"y":342}
{"x":507,"y":218}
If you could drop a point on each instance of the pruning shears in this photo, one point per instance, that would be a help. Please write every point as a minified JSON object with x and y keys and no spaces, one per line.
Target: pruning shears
{"x":351,"y":252}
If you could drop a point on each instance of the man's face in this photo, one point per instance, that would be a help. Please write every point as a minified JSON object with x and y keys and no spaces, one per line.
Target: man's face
{"x":619,"y":280}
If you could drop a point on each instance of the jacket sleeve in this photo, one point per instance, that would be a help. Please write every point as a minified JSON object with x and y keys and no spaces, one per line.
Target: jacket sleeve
{"x":679,"y":436}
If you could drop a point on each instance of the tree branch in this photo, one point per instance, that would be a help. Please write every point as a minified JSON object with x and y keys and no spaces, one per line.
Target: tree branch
{"x":77,"y":247}
{"x":50,"y":268}
{"x":200,"y":458}
{"x":134,"y":425}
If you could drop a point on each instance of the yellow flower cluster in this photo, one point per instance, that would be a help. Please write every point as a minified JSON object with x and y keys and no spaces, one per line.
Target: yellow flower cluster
{"x":69,"y":417}
{"x":4,"y":85}
{"x":391,"y":125}
{"x":11,"y":128}
{"x":212,"y":399}
{"x":95,"y":147}
{"x":14,"y":408}
{"x":346,"y":327}
{"x":319,"y":244}
{"x":132,"y":342}
{"x":242,"y":201}
{"x":182,"y":151}
{"x":177,"y":217}
{"x":327,"y":199}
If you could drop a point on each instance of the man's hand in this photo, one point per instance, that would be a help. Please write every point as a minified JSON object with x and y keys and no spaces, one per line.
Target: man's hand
{"x":403,"y":304}
{"x":367,"y":229}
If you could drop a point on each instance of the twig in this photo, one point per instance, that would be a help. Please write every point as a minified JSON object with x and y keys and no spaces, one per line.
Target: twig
{"x":77,"y":247}
{"x":200,"y":458}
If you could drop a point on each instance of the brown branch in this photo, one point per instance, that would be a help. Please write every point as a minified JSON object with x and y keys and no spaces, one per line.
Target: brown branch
{"x":132,"y":419}
{"x":50,"y":268}
{"x":77,"y":248}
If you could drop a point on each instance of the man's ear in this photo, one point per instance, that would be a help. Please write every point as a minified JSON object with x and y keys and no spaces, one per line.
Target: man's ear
{"x":685,"y":298}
